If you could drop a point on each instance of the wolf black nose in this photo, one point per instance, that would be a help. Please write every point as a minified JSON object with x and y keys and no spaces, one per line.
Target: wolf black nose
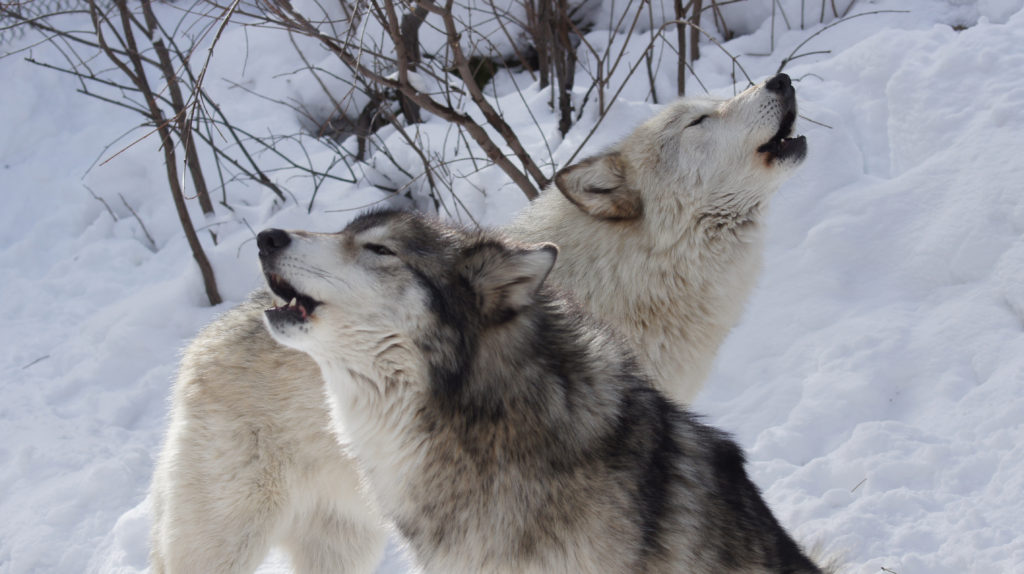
{"x":780,"y":83}
{"x":271,"y":240}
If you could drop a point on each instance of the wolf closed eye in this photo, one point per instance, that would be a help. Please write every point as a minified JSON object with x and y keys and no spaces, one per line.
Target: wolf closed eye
{"x":379,"y":249}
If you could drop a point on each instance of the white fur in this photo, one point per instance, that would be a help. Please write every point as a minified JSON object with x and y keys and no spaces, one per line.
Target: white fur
{"x":250,"y":462}
{"x":675,"y":279}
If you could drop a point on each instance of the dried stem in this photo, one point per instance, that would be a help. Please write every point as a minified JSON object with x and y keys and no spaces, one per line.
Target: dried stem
{"x":137,"y":74}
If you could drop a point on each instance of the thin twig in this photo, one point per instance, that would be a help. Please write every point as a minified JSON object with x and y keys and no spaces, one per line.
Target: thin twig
{"x":149,"y":237}
{"x":39,"y":360}
{"x":792,"y":55}
{"x":101,"y":200}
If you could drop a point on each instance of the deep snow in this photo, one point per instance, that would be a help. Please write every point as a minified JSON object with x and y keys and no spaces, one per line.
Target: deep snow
{"x":876,"y":379}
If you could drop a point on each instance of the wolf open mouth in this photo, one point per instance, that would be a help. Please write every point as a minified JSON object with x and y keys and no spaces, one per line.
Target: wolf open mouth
{"x":782,"y":146}
{"x":299,"y":307}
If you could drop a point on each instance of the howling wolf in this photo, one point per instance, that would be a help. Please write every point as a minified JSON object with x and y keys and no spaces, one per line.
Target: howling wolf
{"x":660,"y":236}
{"x":499,"y":429}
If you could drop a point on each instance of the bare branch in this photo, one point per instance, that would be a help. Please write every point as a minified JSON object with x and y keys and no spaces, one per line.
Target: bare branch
{"x":152,"y":244}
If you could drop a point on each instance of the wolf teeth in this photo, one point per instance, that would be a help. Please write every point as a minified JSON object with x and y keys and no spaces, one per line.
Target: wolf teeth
{"x":293,"y":302}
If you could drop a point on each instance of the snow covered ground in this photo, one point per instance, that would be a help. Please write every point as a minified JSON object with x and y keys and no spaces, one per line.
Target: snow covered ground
{"x":876,"y":380}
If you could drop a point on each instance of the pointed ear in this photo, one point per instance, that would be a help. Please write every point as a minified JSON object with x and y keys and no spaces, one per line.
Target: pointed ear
{"x":597,"y":186}
{"x":506,"y":278}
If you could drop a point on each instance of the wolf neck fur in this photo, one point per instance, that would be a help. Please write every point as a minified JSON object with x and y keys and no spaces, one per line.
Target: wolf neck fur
{"x":479,"y":428}
{"x":707,"y":266}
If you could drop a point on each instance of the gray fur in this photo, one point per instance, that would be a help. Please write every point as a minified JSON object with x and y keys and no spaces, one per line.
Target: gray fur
{"x":498,"y":427}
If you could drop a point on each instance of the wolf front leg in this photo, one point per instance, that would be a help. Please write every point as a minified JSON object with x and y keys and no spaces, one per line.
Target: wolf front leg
{"x":250,"y":462}
{"x":222,"y":511}
{"x":336,"y":541}
{"x":204,"y":520}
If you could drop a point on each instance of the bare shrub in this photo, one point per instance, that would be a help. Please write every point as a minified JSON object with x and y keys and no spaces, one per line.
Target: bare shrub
{"x":387,"y":70}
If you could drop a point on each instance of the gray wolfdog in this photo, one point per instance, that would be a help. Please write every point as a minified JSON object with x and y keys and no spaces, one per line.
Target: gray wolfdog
{"x":659,"y":236}
{"x":498,"y":428}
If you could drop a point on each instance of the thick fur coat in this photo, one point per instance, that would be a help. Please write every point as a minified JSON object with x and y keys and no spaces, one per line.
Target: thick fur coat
{"x":498,"y":428}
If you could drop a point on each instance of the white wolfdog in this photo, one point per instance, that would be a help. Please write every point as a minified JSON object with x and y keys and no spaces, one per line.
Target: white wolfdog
{"x":660,"y":236}
{"x":498,"y":428}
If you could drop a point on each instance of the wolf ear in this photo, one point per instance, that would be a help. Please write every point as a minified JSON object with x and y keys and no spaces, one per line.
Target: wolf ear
{"x":507,"y":278}
{"x":597,"y":186}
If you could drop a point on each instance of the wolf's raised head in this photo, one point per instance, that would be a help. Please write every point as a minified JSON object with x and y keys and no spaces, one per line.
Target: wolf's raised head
{"x":724,"y":156}
{"x":662,"y":234}
{"x":394,"y":290}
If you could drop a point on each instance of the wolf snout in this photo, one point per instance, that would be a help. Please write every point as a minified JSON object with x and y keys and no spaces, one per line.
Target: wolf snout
{"x":271,"y":241}
{"x":779,"y":84}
